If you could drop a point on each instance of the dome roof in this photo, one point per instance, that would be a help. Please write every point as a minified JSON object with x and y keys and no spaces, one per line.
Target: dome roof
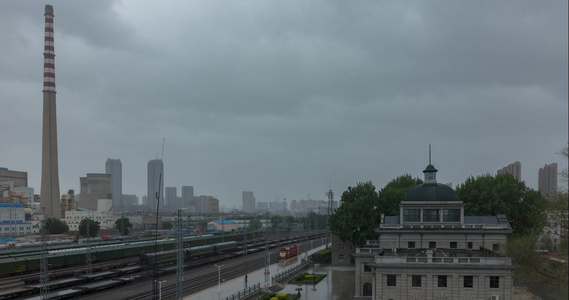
{"x":431,"y":192}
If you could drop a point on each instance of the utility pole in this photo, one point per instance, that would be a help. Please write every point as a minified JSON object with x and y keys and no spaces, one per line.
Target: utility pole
{"x":44,"y":275}
{"x":180,"y":258}
{"x":219,"y":281}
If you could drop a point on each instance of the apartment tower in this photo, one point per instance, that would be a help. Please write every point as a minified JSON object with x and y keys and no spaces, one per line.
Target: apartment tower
{"x":547,"y":180}
{"x":514,"y":169}
{"x":50,"y":204}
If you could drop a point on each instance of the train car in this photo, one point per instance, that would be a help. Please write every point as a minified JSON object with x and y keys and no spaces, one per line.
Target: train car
{"x":288,"y":252}
{"x":9,"y":266}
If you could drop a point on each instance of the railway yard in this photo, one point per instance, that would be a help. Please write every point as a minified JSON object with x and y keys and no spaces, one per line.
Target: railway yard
{"x":130,"y":264}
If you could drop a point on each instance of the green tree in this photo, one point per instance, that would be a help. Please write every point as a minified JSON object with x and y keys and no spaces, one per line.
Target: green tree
{"x":202,"y":225}
{"x":357,"y":218}
{"x":276,"y":221}
{"x":255,"y":225}
{"x":489,"y":195}
{"x":93,"y":226}
{"x":56,"y":226}
{"x":167,"y":225}
{"x":123,"y":225}
{"x":533,"y":270}
{"x":391,"y":195}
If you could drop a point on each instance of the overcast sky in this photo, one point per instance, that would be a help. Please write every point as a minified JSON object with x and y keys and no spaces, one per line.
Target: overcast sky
{"x":283,"y":98}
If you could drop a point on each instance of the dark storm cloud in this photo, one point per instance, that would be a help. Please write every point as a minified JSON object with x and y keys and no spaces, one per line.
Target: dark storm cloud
{"x":282,"y":97}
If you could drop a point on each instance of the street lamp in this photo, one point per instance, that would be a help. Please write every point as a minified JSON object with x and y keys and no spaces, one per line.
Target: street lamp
{"x":219,"y":281}
{"x":160,"y":288}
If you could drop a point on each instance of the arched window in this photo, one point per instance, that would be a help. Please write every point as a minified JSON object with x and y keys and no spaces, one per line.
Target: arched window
{"x":367,"y":289}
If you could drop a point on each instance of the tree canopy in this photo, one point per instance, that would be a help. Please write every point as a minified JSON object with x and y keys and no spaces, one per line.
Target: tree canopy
{"x":167,"y":225}
{"x":357,"y":218}
{"x":93,"y":226}
{"x":55,"y":226}
{"x":391,"y":195}
{"x":123,"y":225}
{"x":255,"y":225}
{"x":489,"y":195}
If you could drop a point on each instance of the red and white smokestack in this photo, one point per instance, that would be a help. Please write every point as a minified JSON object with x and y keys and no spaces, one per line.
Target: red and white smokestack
{"x":48,"y":53}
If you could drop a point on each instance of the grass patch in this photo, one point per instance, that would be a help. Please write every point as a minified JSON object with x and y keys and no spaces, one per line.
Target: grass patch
{"x":280,"y":297}
{"x":306,"y":278}
{"x":323,"y":256}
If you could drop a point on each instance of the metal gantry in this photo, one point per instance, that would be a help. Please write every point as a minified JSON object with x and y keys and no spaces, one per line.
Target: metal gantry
{"x":44,"y":273}
{"x":88,"y":267}
{"x":180,"y":258}
{"x":330,"y":195}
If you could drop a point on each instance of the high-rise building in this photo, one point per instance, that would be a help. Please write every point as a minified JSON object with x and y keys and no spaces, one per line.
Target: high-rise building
{"x":155,"y":182}
{"x":188,"y":196}
{"x":547,"y":180}
{"x":249,"y":202}
{"x":114,"y":167}
{"x":50,"y":204}
{"x":171,"y":197}
{"x":514,"y":169}
{"x":94,"y":187}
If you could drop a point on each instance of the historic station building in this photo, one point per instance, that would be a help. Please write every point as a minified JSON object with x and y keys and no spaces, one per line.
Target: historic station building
{"x":433,"y":251}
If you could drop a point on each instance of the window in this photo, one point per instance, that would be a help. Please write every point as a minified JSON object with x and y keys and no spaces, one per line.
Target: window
{"x":341,"y":246}
{"x":416,"y":280}
{"x":453,"y":245}
{"x":367,"y":268}
{"x":494,"y":282}
{"x":442,"y":281}
{"x":469,"y":245}
{"x":411,"y":245}
{"x":468,"y":281}
{"x":341,"y":258}
{"x":451,"y":215}
{"x":367,"y":289}
{"x":432,"y":245}
{"x":391,"y":280}
{"x":411,"y":215}
{"x":431,"y":215}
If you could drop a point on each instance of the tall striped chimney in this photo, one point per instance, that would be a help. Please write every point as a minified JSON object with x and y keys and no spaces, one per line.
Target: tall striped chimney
{"x":50,"y":203}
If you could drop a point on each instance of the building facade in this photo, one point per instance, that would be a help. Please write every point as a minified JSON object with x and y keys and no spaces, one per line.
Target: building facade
{"x":18,"y":178}
{"x":172,"y":197}
{"x":249,"y":205}
{"x":433,"y":251}
{"x":547,"y":180}
{"x":155,"y":183}
{"x":114,"y":167}
{"x":13,"y":221}
{"x":514,"y":169}
{"x":188,"y":197}
{"x":93,"y":187}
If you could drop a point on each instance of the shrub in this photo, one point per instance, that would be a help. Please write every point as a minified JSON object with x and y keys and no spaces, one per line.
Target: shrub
{"x":309,"y":276}
{"x":282,"y":296}
{"x":274,"y":298}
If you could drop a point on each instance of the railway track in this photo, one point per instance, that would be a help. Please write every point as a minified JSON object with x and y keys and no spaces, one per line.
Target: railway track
{"x":96,"y":285}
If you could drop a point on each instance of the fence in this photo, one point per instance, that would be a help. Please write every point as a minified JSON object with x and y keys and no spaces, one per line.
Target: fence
{"x":246,"y":292}
{"x":290,"y":271}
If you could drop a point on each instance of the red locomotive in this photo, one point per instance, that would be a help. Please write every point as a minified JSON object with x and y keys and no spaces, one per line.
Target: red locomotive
{"x":288,"y":252}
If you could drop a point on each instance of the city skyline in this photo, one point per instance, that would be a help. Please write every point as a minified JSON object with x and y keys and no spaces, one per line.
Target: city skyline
{"x":265,"y":97}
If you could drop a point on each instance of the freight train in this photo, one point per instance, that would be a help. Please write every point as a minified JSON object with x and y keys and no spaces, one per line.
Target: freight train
{"x":170,"y":257}
{"x":20,"y":263}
